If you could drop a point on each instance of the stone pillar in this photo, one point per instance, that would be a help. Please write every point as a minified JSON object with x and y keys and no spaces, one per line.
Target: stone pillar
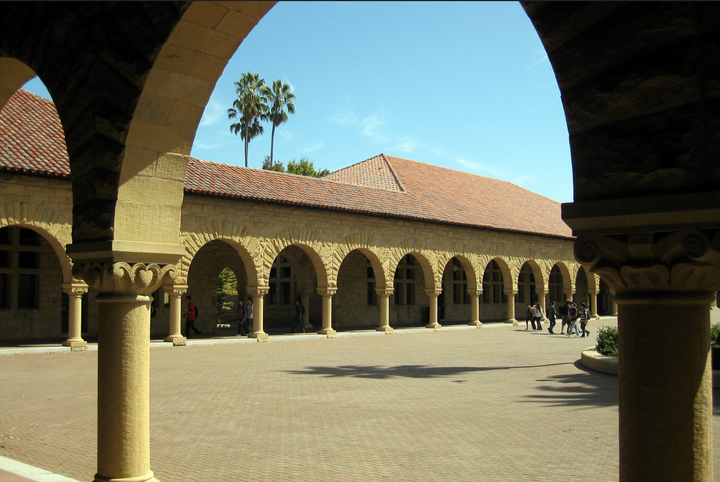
{"x":306,"y":304}
{"x":433,"y":296}
{"x":258,"y":299}
{"x":614,"y":303}
{"x":593,"y":299}
{"x":123,"y":422}
{"x":541,"y":299}
{"x":511,"y":307}
{"x":75,"y":292}
{"x":384,"y":299}
{"x":664,"y":283}
{"x":327,"y":294}
{"x":175,"y":292}
{"x":569,"y":295}
{"x":475,"y":308}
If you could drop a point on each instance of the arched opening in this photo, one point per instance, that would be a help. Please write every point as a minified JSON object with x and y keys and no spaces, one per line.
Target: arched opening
{"x":556,"y":290}
{"x":215,"y":261}
{"x":409,"y":305}
{"x":292,"y":278}
{"x":581,"y":288}
{"x":454,"y":302}
{"x":356,"y":302}
{"x":32,"y":302}
{"x":494,"y":298}
{"x":527,"y":294}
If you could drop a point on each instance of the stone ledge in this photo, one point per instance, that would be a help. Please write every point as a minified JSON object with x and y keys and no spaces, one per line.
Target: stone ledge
{"x":593,"y":360}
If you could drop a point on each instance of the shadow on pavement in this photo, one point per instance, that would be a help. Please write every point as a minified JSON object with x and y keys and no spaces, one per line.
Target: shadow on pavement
{"x":408,"y":371}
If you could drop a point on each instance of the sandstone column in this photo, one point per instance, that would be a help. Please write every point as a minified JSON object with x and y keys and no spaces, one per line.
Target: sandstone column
{"x":511,"y":306}
{"x":175,"y":292}
{"x":327,"y":294}
{"x":664,"y":283}
{"x":306,"y":304}
{"x":258,"y":295}
{"x":541,"y":300}
{"x":384,"y":299}
{"x":475,"y":308}
{"x":593,"y":299}
{"x":75,"y":292}
{"x":433,"y":296}
{"x":124,"y":365}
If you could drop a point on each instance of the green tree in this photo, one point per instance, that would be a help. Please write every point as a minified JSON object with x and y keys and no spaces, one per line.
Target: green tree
{"x":269,"y":165}
{"x":279,"y":98}
{"x":305,"y":167}
{"x":249,"y":108}
{"x":226,"y":289}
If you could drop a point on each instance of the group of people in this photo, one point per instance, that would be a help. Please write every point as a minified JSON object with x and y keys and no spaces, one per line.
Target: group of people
{"x":245,"y":318}
{"x":570,"y":315}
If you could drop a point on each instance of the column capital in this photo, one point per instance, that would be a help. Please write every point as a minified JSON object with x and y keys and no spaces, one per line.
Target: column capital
{"x":433,"y":292}
{"x":327,"y":291}
{"x":684,"y":260}
{"x":124,"y":278}
{"x":257,"y":290}
{"x":175,"y":289}
{"x":510,"y":292}
{"x":541,"y":292}
{"x":75,"y":289}
{"x":384,"y":292}
{"x":475,"y":292}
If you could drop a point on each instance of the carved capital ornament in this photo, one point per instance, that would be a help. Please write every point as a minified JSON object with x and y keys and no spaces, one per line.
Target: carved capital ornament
{"x":124,"y":278}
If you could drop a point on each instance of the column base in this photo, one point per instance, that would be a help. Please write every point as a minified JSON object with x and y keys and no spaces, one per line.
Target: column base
{"x":328,"y":331}
{"x":434,"y":326}
{"x":259,"y":335}
{"x":387,"y":329}
{"x":143,"y":478}
{"x":77,"y":344}
{"x":173,"y":338}
{"x":513,"y":321}
{"x":476,"y":323}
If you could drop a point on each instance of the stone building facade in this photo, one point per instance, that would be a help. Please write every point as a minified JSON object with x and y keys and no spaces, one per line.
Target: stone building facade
{"x":461,"y":267}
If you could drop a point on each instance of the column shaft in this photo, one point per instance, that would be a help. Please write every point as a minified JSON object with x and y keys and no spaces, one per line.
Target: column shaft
{"x":665,"y":388}
{"x":258,"y":296}
{"x":327,"y":314}
{"x":175,"y":292}
{"x":511,"y":307}
{"x":384,"y":300}
{"x":433,"y":322}
{"x":124,"y":388}
{"x":75,"y":292}
{"x":475,"y":308}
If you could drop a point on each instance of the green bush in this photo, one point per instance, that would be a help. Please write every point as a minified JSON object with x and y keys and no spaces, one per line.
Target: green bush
{"x":607,"y":341}
{"x":714,"y":334}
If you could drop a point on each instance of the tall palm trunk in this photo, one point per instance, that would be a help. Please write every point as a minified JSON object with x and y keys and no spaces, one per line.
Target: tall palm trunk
{"x":246,"y":145}
{"x":272,"y":144}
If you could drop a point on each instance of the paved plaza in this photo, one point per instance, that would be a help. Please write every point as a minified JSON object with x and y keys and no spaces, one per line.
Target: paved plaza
{"x":490,"y":404}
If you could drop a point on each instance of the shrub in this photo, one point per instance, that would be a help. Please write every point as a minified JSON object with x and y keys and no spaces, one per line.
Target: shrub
{"x":714,"y":334}
{"x":607,"y":341}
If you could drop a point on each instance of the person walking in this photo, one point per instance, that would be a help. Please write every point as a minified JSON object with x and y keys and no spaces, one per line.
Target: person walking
{"x":563,"y":310}
{"x":551,"y":317}
{"x":529,"y":318}
{"x":242,"y":315}
{"x":538,"y":315}
{"x":298,"y":318}
{"x":250,"y":316}
{"x":190,"y":317}
{"x":573,"y":320}
{"x":584,"y":317}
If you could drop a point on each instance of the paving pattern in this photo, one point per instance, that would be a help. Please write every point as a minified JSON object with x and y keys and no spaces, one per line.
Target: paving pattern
{"x":494,"y":404}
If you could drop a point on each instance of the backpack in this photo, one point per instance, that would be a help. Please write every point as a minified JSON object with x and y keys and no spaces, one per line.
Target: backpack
{"x":563,"y":310}
{"x":197,"y":312}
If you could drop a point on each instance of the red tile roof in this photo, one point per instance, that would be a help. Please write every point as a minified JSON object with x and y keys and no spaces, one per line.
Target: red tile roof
{"x":32,"y":141}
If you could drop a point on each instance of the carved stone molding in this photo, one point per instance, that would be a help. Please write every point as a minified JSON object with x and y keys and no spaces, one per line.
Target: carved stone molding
{"x":260,"y":291}
{"x":432,"y":292}
{"x":175,"y":289}
{"x":124,"y":278}
{"x":475,"y":292}
{"x":384,"y":292}
{"x":75,"y":289}
{"x":687,"y":260}
{"x":326,"y":291}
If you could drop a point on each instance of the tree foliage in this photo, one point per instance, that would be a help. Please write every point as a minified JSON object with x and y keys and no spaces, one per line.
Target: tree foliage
{"x":269,"y":165}
{"x":249,"y":108}
{"x":226,"y":290}
{"x":279,"y":98}
{"x":305,"y":167}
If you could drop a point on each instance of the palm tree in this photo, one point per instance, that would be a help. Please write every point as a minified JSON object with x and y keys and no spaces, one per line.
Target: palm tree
{"x":249,"y":108}
{"x":280,"y":98}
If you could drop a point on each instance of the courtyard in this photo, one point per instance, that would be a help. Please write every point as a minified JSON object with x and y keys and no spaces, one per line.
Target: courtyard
{"x":463,"y":404}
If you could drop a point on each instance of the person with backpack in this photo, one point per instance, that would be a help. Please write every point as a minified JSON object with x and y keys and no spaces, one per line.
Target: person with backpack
{"x":298,"y":318}
{"x":573,"y":320}
{"x":538,"y":315}
{"x":250,"y":315}
{"x":190,"y":317}
{"x":242,"y":316}
{"x":551,"y":317}
{"x":584,"y":317}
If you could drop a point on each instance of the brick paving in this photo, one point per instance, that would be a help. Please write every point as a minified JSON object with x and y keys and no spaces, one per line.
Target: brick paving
{"x":495,"y":404}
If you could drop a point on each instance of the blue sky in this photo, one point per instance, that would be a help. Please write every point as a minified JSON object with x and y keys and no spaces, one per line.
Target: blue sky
{"x":464,"y":85}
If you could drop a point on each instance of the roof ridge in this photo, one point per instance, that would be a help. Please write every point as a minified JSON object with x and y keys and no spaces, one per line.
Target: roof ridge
{"x":392,"y":171}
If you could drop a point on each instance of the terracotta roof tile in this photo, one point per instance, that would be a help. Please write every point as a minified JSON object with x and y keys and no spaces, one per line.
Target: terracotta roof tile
{"x":32,"y":141}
